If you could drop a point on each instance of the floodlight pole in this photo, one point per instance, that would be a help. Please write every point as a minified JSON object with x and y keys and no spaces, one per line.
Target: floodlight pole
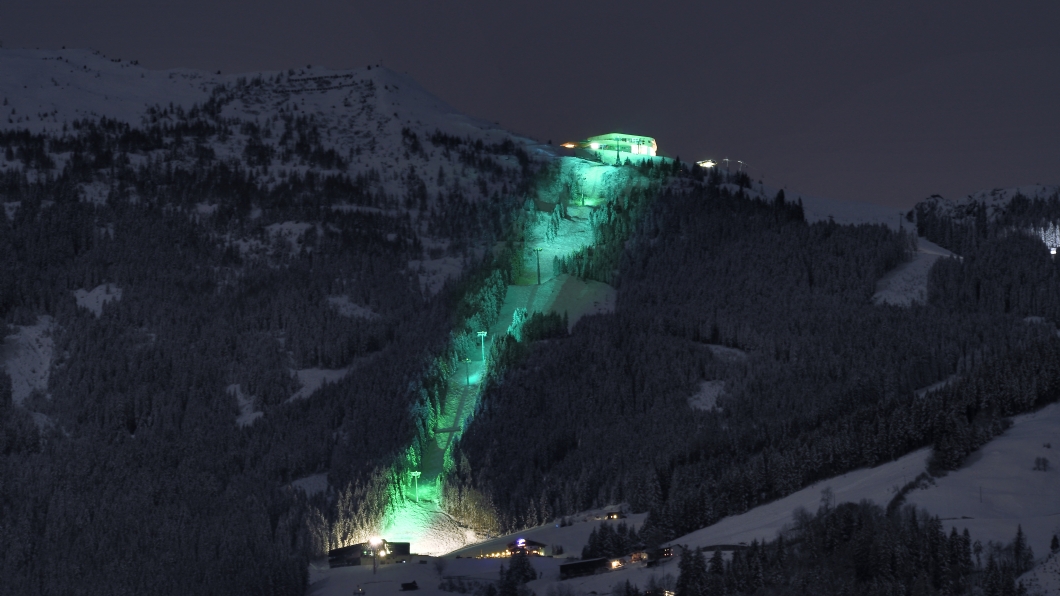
{"x":467,"y":370}
{"x":538,"y":251}
{"x":482,"y":344}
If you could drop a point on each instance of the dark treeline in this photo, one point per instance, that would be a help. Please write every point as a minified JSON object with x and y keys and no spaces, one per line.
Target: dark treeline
{"x":130,"y":474}
{"x":857,"y":549}
{"x":817,"y":380}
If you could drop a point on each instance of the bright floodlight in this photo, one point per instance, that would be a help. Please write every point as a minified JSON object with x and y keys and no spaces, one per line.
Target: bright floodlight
{"x":706,"y":163}
{"x":375,"y":541}
{"x":594,"y":145}
{"x":569,"y":145}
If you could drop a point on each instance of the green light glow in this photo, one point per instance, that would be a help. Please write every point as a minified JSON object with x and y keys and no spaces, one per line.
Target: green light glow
{"x":586,"y":186}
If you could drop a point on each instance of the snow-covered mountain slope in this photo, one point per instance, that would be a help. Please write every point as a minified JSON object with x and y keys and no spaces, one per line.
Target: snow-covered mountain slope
{"x":907,"y":283}
{"x":361,"y":113}
{"x":995,"y":200}
{"x":45,"y":89}
{"x":999,"y":487}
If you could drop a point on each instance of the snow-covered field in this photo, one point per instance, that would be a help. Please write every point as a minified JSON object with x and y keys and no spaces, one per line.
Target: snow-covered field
{"x":877,"y":484}
{"x":999,"y":488}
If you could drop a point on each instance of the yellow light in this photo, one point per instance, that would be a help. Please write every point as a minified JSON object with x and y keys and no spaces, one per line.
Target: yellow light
{"x":375,"y":541}
{"x":569,"y":145}
{"x":706,"y":163}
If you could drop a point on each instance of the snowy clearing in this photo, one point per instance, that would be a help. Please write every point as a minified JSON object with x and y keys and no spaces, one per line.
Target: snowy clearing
{"x":706,"y":398}
{"x":312,"y":484}
{"x":95,"y":298}
{"x":247,"y":413}
{"x":433,"y":273}
{"x":314,"y":378}
{"x":346,"y":308}
{"x":727,"y":354}
{"x":906,"y":284}
{"x":27,"y":358}
{"x":10,"y":208}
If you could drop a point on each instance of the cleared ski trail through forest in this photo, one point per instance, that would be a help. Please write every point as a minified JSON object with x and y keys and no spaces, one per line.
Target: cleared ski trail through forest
{"x":421,"y":521}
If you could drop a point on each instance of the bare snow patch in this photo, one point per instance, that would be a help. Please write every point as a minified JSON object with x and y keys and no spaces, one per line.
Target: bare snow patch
{"x":247,"y":413}
{"x":935,"y":386}
{"x":10,"y":209}
{"x":27,"y":358}
{"x":350,"y":309}
{"x":433,"y":273}
{"x":906,"y":284}
{"x":706,"y":398}
{"x":95,"y":298}
{"x":314,"y":378}
{"x":290,"y":232}
{"x":312,"y":484}
{"x":95,"y":193}
{"x":727,"y":354}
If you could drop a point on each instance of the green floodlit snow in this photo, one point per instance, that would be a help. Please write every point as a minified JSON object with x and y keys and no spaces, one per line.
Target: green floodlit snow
{"x":423,"y":523}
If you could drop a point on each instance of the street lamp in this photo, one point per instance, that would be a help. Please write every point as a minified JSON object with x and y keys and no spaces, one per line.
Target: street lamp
{"x":375,"y":542}
{"x":538,"y":251}
{"x":482,"y":344}
{"x":467,"y":370}
{"x":416,"y":476}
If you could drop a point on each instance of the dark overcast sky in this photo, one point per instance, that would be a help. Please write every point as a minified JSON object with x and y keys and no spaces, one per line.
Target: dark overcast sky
{"x":880,"y":101}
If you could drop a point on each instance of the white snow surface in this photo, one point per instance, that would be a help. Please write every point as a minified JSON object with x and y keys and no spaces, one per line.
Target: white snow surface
{"x":95,"y":298}
{"x":347,"y":308}
{"x":314,"y":378}
{"x":727,"y":354}
{"x":312,"y":484}
{"x":561,"y":294}
{"x":706,"y":398}
{"x":433,"y":273}
{"x":907,"y":283}
{"x":27,"y":356}
{"x":247,"y":413}
{"x":878,"y":485}
{"x":1013,"y":493}
{"x":1044,"y":579}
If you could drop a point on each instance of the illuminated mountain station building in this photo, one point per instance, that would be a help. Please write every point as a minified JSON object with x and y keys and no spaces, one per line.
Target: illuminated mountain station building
{"x":616,"y":148}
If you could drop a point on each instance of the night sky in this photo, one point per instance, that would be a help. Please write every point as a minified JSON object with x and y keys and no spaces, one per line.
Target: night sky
{"x":886,"y":102}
